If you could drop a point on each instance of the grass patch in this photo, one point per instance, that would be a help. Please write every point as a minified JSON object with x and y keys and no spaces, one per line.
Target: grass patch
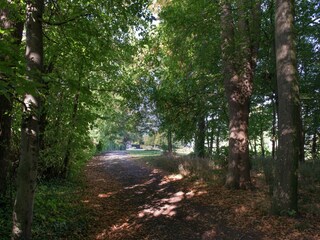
{"x":144,"y":153}
{"x":190,"y":167}
{"x":58,"y":212}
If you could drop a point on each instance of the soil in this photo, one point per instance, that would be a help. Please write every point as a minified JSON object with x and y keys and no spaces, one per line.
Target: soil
{"x":135,"y":202}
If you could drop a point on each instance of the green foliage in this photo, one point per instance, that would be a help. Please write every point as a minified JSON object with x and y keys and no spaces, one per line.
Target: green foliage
{"x":5,"y":220}
{"x":144,"y":153}
{"x":59,"y":212}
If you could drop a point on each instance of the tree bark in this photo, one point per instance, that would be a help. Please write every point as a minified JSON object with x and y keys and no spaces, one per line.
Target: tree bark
{"x":218,"y":142}
{"x":262,"y":142}
{"x":314,"y":145}
{"x":5,"y":138}
{"x":27,"y":170}
{"x":284,"y":199}
{"x":274,"y":127}
{"x":6,"y":100}
{"x":238,"y":69}
{"x":211,"y":140}
{"x":169,"y":137}
{"x":200,"y":138}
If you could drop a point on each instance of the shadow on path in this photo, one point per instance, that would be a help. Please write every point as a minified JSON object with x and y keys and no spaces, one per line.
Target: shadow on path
{"x":131,"y":201}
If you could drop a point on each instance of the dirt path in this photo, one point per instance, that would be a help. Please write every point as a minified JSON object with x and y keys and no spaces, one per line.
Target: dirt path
{"x":131,"y":201}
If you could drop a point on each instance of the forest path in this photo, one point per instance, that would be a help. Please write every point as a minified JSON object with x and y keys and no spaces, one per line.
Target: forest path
{"x":133,"y":201}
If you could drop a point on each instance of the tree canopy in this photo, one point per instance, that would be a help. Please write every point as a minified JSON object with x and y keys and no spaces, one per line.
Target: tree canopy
{"x":79,"y":77}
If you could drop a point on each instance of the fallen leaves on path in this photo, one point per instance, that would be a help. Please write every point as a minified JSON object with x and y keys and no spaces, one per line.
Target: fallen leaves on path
{"x":132,"y":201}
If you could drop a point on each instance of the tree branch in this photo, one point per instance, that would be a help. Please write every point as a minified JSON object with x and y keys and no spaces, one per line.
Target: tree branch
{"x":66,"y":21}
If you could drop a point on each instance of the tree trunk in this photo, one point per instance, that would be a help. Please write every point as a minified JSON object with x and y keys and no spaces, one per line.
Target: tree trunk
{"x":211,"y":140}
{"x":27,"y":170}
{"x":314,"y":145}
{"x":5,"y":137}
{"x":238,"y":71}
{"x":199,"y":148}
{"x":169,"y":137}
{"x":218,"y":142}
{"x":284,"y":199}
{"x":6,"y":100}
{"x":262,"y":142}
{"x":255,"y":146}
{"x":66,"y":159}
{"x":274,"y":127}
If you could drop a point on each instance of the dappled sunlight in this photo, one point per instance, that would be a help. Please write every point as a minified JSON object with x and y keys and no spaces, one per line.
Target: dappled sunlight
{"x":95,"y":163}
{"x":167,"y":207}
{"x":162,"y":207}
{"x":152,"y":180}
{"x":165,"y":210}
{"x":241,"y":209}
{"x":155,"y":171}
{"x":118,"y":230}
{"x":210,"y":234}
{"x":170,"y":178}
{"x":106,"y":195}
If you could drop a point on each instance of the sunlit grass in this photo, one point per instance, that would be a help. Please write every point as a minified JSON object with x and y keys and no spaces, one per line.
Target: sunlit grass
{"x":186,"y":166}
{"x":144,"y":153}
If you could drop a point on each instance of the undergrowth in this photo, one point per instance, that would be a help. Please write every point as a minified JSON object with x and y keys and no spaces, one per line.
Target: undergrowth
{"x":189,"y":167}
{"x":58,"y":212}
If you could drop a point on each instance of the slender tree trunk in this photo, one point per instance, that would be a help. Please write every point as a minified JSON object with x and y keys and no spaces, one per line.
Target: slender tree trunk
{"x":284,"y":199}
{"x":169,"y":137}
{"x":27,"y":170}
{"x":66,"y":159}
{"x":238,"y":68}
{"x":274,"y":127}
{"x":200,"y":138}
{"x":314,"y":145}
{"x":218,"y":142}
{"x":255,"y":146}
{"x":262,"y":142}
{"x":211,"y":140}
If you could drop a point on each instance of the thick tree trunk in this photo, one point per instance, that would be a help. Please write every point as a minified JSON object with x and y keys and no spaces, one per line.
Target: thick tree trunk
{"x":5,"y":118}
{"x":238,"y":71}
{"x":27,"y":170}
{"x":5,"y":137}
{"x":239,"y":164}
{"x":6,"y":100}
{"x":285,"y":199}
